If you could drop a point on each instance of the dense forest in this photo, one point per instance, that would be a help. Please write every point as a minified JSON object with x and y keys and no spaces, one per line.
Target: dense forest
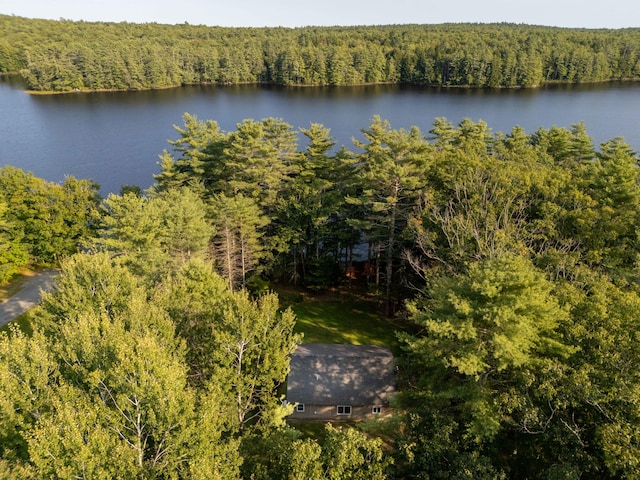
{"x":512,"y":257}
{"x":69,"y":56}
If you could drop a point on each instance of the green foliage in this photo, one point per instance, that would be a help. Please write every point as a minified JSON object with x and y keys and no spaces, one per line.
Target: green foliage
{"x":279,"y":453}
{"x":27,"y":368}
{"x":155,"y":234}
{"x":259,"y":156}
{"x":47,"y":220}
{"x":465,"y":194}
{"x":13,"y":254}
{"x":252,"y":345}
{"x":391,"y":171}
{"x":489,"y":327}
{"x":273,"y":208}
{"x":433,"y":446}
{"x":194,"y":298}
{"x":69,"y":56}
{"x":602,"y":384}
{"x":97,"y":283}
{"x":104,"y":393}
{"x":343,"y":453}
{"x":238,"y":222}
{"x":200,"y":146}
{"x":506,"y":365}
{"x":606,"y":225}
{"x":22,"y":322}
{"x":349,"y":454}
{"x":185,"y":232}
{"x":240,"y":342}
{"x":522,"y":362}
{"x":314,"y":198}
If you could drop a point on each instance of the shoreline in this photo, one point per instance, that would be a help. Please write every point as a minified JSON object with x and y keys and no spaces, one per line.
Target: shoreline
{"x":551,"y":83}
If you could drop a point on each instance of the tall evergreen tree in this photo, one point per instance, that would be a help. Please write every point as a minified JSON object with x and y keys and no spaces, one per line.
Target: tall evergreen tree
{"x":238,"y":246}
{"x":489,"y":355}
{"x":312,"y":198}
{"x":392,"y":172}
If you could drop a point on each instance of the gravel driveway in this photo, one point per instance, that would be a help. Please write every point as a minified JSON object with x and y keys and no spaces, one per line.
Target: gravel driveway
{"x":26,"y":298}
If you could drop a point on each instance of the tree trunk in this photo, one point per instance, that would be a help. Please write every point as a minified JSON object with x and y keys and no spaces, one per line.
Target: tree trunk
{"x":389,"y":262}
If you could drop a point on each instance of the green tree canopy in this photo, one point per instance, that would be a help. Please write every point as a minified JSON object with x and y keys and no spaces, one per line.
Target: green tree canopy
{"x":109,"y":392}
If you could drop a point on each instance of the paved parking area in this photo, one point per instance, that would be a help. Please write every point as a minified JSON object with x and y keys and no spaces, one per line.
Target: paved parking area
{"x":26,"y":298}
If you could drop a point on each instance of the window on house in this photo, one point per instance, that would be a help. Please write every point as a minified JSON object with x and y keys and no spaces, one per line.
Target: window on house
{"x":376,"y":410}
{"x":344,"y":409}
{"x":300,"y":407}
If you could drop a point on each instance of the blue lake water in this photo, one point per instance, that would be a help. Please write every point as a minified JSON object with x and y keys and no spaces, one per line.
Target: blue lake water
{"x":116,"y":138}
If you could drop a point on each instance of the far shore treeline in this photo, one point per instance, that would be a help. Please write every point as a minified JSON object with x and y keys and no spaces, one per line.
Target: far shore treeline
{"x":60,"y":56}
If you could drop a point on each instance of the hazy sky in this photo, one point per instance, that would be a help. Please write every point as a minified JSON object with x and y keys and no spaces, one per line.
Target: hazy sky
{"x":292,"y":13}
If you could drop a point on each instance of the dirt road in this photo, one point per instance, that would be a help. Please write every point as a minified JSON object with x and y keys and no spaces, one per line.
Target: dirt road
{"x":26,"y":298}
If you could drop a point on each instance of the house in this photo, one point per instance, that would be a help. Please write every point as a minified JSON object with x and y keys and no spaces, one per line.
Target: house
{"x":340,"y":382}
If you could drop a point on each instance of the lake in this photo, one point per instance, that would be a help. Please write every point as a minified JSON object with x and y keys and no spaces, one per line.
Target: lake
{"x":116,"y":138}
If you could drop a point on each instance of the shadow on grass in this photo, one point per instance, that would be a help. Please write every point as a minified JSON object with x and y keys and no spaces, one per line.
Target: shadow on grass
{"x":23,"y":322}
{"x":343,"y":319}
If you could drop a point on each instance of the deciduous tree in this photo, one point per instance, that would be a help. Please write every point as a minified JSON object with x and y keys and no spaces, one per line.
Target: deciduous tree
{"x":119,"y":403}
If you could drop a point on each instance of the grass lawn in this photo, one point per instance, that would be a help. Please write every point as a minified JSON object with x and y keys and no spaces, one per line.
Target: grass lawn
{"x":341,"y":318}
{"x":23,"y":322}
{"x":315,"y":430}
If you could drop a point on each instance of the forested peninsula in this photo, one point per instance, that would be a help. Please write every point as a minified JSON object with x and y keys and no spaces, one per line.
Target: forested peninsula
{"x":65,"y":56}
